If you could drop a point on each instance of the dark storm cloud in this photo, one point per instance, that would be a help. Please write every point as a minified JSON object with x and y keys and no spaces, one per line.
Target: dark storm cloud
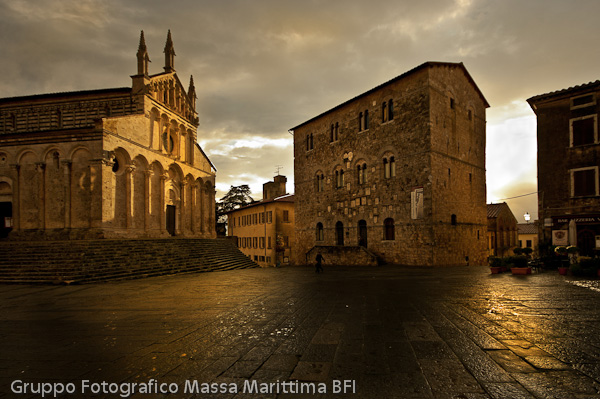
{"x":262,"y":67}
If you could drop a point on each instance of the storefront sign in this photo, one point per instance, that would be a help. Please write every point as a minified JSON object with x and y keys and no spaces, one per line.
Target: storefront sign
{"x":560,"y":237}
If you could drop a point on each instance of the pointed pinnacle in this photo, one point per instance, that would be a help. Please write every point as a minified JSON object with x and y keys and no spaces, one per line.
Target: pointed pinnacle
{"x":169,"y":44}
{"x":142,"y":45}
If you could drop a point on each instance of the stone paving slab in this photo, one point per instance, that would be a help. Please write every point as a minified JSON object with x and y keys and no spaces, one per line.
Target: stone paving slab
{"x":351,"y":332}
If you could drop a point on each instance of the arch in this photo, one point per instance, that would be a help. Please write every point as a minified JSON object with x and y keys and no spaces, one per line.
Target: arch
{"x":188,"y":203}
{"x":81,"y":193}
{"x":29,"y":190}
{"x":319,"y":231}
{"x":122,"y":167}
{"x":156,"y":196}
{"x":319,"y":181}
{"x":339,"y":233}
{"x":154,"y":129}
{"x":139,"y":192}
{"x":55,"y":189}
{"x":6,"y":206}
{"x":361,"y":171}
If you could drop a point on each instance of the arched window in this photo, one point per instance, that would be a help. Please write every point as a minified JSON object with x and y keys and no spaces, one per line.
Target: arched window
{"x":392,"y":167}
{"x":384,"y":112}
{"x":390,"y":110}
{"x":339,"y":178}
{"x":336,"y":131}
{"x":386,"y":169}
{"x":389,"y":232}
{"x":320,"y":182}
{"x":361,"y":170}
{"x":362,"y":233}
{"x":320,"y":236}
{"x":339,"y":233}
{"x":366,"y":119}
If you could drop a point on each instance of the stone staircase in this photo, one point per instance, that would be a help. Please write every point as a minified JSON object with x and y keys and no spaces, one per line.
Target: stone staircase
{"x":86,"y":261}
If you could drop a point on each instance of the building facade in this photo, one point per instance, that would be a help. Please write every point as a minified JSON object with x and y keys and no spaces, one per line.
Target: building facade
{"x":528,"y":236}
{"x":398,"y":170}
{"x":502,"y":232}
{"x":264,"y":230}
{"x":568,"y":166}
{"x":120,"y":162}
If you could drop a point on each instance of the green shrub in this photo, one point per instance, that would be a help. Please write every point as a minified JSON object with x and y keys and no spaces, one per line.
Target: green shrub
{"x":516,"y":261}
{"x":495,"y":261}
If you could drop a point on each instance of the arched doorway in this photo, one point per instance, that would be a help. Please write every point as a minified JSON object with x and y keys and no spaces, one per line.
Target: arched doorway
{"x":339,"y":233}
{"x":362,"y":233}
{"x":5,"y":209}
{"x":586,"y":241}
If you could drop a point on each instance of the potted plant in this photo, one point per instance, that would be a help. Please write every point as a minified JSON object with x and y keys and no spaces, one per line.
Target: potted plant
{"x":519,"y":265}
{"x":561,"y":251}
{"x":495,"y":264}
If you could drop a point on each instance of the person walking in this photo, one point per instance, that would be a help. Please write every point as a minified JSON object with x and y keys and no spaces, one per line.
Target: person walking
{"x":319,"y":259}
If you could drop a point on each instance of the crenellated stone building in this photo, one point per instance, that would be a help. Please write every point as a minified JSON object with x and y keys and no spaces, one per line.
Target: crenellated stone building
{"x":398,"y":170}
{"x":120,"y":162}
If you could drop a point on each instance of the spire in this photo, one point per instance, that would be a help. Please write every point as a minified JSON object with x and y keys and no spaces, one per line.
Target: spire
{"x":192,"y":92}
{"x":169,"y":54}
{"x":142,"y":57}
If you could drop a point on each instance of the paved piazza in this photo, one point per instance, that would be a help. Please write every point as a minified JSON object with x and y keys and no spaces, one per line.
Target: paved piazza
{"x":387,"y":332}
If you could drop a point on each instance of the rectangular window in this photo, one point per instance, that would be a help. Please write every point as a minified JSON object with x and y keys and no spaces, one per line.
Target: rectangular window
{"x":286,"y":216}
{"x":528,"y":243}
{"x":268,"y":259}
{"x":256,"y":258}
{"x":584,"y":130}
{"x":270,"y":217}
{"x":255,"y":242}
{"x":584,"y":182}
{"x":583,"y":101}
{"x":262,"y":242}
{"x":262,"y":259}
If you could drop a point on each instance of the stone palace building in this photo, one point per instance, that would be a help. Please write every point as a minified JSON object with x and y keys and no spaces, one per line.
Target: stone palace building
{"x":121,"y":162}
{"x":397,"y":172}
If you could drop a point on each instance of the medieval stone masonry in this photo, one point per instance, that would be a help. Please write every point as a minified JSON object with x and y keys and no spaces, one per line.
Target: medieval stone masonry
{"x":120,"y":162}
{"x":398,"y":170}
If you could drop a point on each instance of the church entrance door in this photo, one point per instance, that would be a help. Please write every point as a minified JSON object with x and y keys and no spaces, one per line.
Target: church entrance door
{"x":171,"y":219}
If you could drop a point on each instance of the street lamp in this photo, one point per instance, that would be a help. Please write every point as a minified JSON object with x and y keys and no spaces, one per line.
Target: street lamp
{"x":527,"y":217}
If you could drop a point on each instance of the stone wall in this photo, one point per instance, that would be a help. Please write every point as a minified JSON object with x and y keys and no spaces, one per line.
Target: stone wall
{"x":436,"y":142}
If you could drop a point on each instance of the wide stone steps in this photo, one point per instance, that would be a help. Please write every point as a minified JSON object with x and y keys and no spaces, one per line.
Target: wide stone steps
{"x":84,"y":261}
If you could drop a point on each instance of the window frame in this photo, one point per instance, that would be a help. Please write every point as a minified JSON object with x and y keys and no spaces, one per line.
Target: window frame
{"x":595,"y":139}
{"x":572,"y":177}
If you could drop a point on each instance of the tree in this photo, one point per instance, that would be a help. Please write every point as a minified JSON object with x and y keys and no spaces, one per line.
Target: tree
{"x":236,"y":197}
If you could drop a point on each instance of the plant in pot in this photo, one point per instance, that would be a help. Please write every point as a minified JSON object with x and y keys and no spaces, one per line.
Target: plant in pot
{"x":496,"y":264}
{"x":519,"y":264}
{"x":561,"y":252}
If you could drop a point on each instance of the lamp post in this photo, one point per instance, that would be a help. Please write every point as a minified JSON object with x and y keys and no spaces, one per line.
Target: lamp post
{"x":527,"y":217}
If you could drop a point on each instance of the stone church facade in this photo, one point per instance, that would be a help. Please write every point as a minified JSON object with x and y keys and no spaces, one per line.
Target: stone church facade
{"x":110,"y":163}
{"x":398,"y":170}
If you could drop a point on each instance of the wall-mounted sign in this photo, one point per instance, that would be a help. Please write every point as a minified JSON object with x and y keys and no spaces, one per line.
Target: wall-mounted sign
{"x":560,"y":237}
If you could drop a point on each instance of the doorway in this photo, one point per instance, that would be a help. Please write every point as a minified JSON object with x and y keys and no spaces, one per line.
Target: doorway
{"x":171,"y":219}
{"x":362,"y":233}
{"x":339,"y":233}
{"x":5,"y":219}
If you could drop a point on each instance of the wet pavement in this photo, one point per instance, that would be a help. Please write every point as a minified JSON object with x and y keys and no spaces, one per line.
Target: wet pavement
{"x":387,"y":332}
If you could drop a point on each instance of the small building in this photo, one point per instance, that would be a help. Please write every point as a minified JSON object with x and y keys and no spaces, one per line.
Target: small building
{"x":398,"y":171}
{"x":568,"y":166}
{"x":502,"y":230}
{"x":528,"y":236}
{"x":109,"y":163}
{"x":264,"y":230}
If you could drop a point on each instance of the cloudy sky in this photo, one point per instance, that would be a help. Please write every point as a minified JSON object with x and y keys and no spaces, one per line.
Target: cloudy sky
{"x":262,"y":67}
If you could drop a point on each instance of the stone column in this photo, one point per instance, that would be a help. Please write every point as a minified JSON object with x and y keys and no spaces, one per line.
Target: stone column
{"x":184,"y":205}
{"x":147,"y":176}
{"x":163,"y":205}
{"x":66,"y":164}
{"x":183,"y":155}
{"x":129,"y":183}
{"x":16,"y":196}
{"x":194,"y":188}
{"x":41,"y":168}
